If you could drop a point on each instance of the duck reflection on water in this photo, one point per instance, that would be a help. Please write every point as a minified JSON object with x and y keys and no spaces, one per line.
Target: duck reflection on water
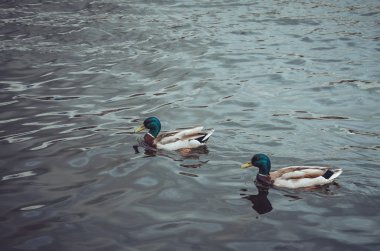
{"x":184,"y":152}
{"x":260,"y":201}
{"x":191,"y":157}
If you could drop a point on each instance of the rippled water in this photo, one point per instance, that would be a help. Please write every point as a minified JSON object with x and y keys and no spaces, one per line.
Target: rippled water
{"x":298,"y":80}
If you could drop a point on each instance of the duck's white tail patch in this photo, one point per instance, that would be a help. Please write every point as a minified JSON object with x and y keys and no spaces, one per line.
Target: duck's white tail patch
{"x":205,"y":138}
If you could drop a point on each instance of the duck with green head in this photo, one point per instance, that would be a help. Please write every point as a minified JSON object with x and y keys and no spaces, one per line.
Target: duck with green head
{"x":292,"y":176}
{"x":173,"y":140}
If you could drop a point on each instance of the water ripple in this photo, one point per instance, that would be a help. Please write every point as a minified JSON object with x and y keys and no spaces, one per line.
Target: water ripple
{"x":298,"y":81}
{"x":18,"y":175}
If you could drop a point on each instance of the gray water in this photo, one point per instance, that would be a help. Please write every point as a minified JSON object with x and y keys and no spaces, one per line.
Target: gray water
{"x":297,"y":80}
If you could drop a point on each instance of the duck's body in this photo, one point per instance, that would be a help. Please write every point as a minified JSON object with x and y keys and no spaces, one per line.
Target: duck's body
{"x":173,"y":140}
{"x":292,"y":176}
{"x":303,"y":176}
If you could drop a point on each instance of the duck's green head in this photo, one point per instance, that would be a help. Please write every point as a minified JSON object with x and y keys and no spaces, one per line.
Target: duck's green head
{"x":260,"y":161}
{"x":151,"y":123}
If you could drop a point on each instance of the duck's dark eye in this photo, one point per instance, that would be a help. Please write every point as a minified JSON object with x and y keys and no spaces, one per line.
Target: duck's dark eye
{"x":147,"y":122}
{"x":255,"y":158}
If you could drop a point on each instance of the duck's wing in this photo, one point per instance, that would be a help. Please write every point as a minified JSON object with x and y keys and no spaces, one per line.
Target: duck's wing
{"x":304,"y":176}
{"x":184,"y":134}
{"x":186,"y":138}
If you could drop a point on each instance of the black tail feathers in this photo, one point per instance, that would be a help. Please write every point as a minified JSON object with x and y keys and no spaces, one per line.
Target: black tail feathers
{"x":328,"y":174}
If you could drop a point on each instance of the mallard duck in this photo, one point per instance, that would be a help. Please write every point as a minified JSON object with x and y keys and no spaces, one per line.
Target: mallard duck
{"x":173,"y":140}
{"x":292,"y":176}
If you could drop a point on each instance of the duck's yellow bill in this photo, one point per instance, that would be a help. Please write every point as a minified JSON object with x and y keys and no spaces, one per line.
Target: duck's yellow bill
{"x":140,"y":128}
{"x":246,"y":165}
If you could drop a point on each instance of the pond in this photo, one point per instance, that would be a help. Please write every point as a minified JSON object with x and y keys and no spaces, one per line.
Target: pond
{"x":296,"y":80}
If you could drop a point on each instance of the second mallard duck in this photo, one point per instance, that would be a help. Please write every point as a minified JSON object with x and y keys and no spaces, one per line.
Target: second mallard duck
{"x":292,"y":176}
{"x":173,"y":140}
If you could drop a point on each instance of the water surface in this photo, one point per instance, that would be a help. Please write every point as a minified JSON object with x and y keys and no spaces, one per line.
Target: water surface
{"x":297,"y":80}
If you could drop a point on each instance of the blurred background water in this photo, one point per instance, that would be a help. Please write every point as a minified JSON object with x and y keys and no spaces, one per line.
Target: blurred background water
{"x":298,"y":80}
